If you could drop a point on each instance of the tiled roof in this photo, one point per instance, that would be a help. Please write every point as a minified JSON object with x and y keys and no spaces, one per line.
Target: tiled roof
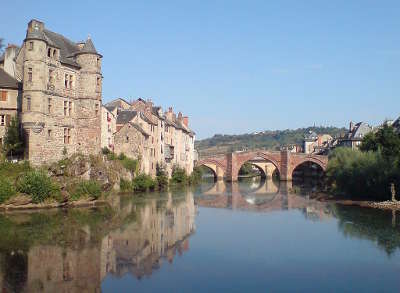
{"x":7,"y":81}
{"x":126,"y":116}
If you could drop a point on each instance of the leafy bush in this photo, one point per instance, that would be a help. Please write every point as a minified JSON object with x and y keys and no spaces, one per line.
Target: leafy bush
{"x":7,"y":190}
{"x":125,"y":185}
{"x":143,"y":182}
{"x":105,"y":151}
{"x":38,"y":185}
{"x":122,"y":157}
{"x":130,"y":164}
{"x":196,"y":176}
{"x":362,"y":175}
{"x":179,"y":176}
{"x":161,"y":176}
{"x":111,"y":156}
{"x":89,"y":188}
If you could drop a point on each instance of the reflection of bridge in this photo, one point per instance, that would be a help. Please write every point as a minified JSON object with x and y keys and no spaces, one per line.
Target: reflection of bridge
{"x":267,"y":196}
{"x":284,"y":162}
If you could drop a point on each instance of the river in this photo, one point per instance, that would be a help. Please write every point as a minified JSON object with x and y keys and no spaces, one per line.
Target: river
{"x":251,"y":236}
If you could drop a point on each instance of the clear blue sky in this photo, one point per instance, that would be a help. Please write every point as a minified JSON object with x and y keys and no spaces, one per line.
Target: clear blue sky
{"x":238,"y":66}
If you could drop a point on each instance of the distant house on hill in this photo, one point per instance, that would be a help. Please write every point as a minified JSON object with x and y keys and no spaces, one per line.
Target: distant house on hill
{"x":355,"y":135}
{"x":396,"y":125}
{"x":314,"y":143}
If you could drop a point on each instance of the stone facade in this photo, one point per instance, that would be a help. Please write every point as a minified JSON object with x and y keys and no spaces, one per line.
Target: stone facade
{"x":170,"y":142}
{"x":61,"y":95}
{"x":108,"y":128}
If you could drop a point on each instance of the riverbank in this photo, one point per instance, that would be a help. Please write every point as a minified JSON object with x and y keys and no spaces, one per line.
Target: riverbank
{"x":383,"y":205}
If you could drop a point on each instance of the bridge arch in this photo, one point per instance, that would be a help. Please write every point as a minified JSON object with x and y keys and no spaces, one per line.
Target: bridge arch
{"x":262,"y":156}
{"x":215,"y":166}
{"x":315,"y":160}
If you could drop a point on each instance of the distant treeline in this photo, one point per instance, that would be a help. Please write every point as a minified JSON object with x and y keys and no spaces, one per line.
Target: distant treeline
{"x":270,"y":139}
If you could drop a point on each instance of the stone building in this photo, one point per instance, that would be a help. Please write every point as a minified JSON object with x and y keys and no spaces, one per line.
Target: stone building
{"x":314,"y":143}
{"x":355,"y":135}
{"x":61,"y":94}
{"x":10,"y":94}
{"x":108,"y":128}
{"x":168,"y":140}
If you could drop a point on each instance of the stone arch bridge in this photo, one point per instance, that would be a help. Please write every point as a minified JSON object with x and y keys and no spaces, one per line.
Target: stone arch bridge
{"x":228,"y":166}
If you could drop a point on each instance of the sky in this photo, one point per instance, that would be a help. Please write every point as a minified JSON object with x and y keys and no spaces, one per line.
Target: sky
{"x":238,"y":66}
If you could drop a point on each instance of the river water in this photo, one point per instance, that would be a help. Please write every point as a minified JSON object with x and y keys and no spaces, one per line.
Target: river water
{"x":251,"y":236}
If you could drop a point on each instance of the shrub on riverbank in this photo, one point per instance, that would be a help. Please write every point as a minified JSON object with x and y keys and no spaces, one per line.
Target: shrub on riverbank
{"x":361,"y":175}
{"x":7,"y":190}
{"x":178,"y":176}
{"x":90,"y":188}
{"x":196,"y":176}
{"x":161,"y":176}
{"x":143,"y":183}
{"x":38,"y":185}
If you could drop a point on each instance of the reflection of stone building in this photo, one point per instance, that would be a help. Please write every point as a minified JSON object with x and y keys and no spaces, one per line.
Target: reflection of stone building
{"x":145,"y":235}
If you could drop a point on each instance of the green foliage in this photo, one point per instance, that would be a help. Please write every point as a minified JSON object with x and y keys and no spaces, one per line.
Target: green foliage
{"x":161,"y":176}
{"x":143,"y":183}
{"x":90,"y":188}
{"x":246,"y":169}
{"x":385,"y":139}
{"x":13,"y":143}
{"x":38,"y":185}
{"x":12,"y":171}
{"x":179,"y":176}
{"x":125,"y":185}
{"x":111,"y":156}
{"x":196,"y":175}
{"x":7,"y":190}
{"x":122,"y":157}
{"x":105,"y":151}
{"x":361,"y":175}
{"x":130,"y":164}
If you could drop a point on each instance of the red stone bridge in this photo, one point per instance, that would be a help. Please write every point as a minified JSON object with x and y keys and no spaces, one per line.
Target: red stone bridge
{"x":284,"y":162}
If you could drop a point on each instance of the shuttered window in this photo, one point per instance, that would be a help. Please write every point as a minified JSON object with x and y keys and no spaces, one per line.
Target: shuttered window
{"x":3,"y":96}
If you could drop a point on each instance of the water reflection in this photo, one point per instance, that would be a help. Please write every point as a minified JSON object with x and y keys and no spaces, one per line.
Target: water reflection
{"x":73,"y":251}
{"x":99,"y":249}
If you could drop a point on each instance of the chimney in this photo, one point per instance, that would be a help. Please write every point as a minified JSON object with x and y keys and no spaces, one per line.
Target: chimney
{"x":186,"y":121}
{"x":351,"y":126}
{"x":35,"y":25}
{"x":170,"y":110}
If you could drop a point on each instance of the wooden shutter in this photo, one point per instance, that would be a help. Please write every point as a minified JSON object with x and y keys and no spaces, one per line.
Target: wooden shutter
{"x":8,"y":119}
{"x":3,"y":96}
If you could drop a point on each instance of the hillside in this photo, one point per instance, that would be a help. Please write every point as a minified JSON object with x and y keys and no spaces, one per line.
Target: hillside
{"x":269,"y":139}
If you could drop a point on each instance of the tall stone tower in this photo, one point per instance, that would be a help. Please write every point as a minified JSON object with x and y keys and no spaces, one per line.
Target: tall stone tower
{"x":61,"y":103}
{"x":89,"y":104}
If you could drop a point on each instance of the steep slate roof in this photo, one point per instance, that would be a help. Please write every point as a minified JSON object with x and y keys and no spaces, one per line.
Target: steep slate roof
{"x":311,"y":136}
{"x":110,"y":108}
{"x":117,"y":102}
{"x":396,"y":124}
{"x":7,"y":81}
{"x":68,"y":48}
{"x":359,"y":131}
{"x":126,"y":116}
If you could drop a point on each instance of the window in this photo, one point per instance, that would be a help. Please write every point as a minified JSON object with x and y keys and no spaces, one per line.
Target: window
{"x":28,"y":103}
{"x":65,"y":108}
{"x":67,"y":135}
{"x":97,"y":109}
{"x":98,"y":81}
{"x":49,"y":52}
{"x":49,"y":105}
{"x":55,"y":54}
{"x":127,"y":139}
{"x":30,"y":46}
{"x":3,"y":96}
{"x":152,"y":166}
{"x":30,"y":74}
{"x":51,"y":76}
{"x":66,"y":81}
{"x":98,"y":61}
{"x":69,"y":108}
{"x":49,"y":133}
{"x":70,"y":81}
{"x":2,"y":120}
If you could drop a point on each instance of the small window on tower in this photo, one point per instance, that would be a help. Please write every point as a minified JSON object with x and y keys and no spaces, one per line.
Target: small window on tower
{"x":65,"y":108}
{"x":30,"y":46}
{"x":97,"y":109}
{"x":71,"y":79}
{"x":98,"y":81}
{"x":49,"y":105}
{"x":30,"y":74}
{"x":28,"y":103}
{"x":69,"y":108}
{"x":49,"y":133}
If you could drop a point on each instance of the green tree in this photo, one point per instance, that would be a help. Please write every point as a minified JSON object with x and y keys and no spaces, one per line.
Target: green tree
{"x":385,"y":139}
{"x":13,"y":144}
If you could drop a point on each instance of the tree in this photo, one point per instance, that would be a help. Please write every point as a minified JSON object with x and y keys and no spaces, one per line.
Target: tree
{"x":13,"y":143}
{"x":385,"y":139}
